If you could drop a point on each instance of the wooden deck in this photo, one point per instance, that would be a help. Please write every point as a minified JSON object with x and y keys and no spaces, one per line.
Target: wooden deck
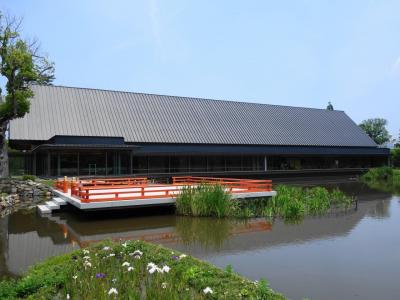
{"x":138,"y":192}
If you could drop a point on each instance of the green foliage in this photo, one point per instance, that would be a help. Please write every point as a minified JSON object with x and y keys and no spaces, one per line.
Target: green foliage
{"x":376,"y":129}
{"x":92,"y":272}
{"x":377,"y":174}
{"x":395,"y":157}
{"x":384,"y":178}
{"x":293,"y":203}
{"x":20,"y":65}
{"x":204,"y":200}
{"x":290,"y":203}
{"x":29,"y":177}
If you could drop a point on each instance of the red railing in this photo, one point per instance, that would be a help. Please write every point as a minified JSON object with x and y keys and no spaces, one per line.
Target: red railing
{"x":125,"y":192}
{"x":100,"y":190}
{"x":231,"y":183}
{"x":113,"y":181}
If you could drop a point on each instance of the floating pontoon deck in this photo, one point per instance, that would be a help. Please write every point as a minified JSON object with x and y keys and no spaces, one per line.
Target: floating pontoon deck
{"x":139,"y":192}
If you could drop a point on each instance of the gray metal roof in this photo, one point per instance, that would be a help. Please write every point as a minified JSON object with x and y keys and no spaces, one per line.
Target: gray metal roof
{"x":147,"y":118}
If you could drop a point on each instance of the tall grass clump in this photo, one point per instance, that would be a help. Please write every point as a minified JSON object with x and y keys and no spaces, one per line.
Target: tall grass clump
{"x":210,"y":200}
{"x":384,"y":178}
{"x":295,"y":202}
{"x":131,"y":270}
{"x":378,"y":174}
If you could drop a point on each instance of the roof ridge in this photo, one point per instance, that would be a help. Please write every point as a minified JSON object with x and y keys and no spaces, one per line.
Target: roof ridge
{"x":187,"y":97}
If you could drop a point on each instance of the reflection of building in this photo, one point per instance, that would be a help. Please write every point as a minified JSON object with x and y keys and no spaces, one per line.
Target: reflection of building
{"x":80,"y":132}
{"x":27,"y":238}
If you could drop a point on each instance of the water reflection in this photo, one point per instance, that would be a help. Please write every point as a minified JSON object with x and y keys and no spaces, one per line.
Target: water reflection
{"x":27,"y":238}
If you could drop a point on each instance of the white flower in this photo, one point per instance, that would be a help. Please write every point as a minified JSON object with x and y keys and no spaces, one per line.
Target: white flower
{"x":207,"y":290}
{"x":137,"y":252}
{"x":85,"y":251}
{"x":68,"y":297}
{"x":130,"y":269}
{"x":114,"y":280}
{"x":113,"y":291}
{"x":75,"y":277}
{"x":124,"y":245}
{"x":182,"y":256}
{"x":164,"y":285}
{"x":106,"y":248}
{"x":86,"y":257}
{"x":152,"y":270}
{"x":87,"y":264}
{"x":126,"y":264}
{"x":151,"y":265}
{"x":166,"y":269}
{"x":111,"y":254}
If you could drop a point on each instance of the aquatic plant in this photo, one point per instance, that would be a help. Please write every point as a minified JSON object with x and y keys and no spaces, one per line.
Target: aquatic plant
{"x":204,"y":200}
{"x":295,"y":202}
{"x":385,"y":179}
{"x":160,"y":274}
{"x":290,"y":203}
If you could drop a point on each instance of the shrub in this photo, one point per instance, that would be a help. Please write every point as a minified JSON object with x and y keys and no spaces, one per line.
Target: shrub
{"x":29,"y":177}
{"x":395,"y":157}
{"x":383,"y":173}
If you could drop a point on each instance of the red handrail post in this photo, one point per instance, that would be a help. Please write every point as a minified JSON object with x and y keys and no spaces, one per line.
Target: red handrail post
{"x":65,"y":185}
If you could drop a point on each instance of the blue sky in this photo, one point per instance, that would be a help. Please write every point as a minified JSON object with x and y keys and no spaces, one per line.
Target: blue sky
{"x":301,"y":53}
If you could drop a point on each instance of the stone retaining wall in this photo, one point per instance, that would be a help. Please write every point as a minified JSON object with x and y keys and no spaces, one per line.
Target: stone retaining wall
{"x":14,"y":192}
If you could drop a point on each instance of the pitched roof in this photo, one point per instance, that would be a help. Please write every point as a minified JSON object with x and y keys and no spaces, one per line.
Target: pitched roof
{"x":147,"y":118}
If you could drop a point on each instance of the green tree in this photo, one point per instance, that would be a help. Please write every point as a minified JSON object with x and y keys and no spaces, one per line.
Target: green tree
{"x":395,"y":157}
{"x":330,"y":106}
{"x":376,"y":129}
{"x":21,"y":65}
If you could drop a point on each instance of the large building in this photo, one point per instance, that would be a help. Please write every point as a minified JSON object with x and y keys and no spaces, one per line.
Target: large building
{"x":88,"y":132}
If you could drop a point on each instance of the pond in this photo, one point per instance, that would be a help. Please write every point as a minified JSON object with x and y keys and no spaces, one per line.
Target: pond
{"x":352,"y":255}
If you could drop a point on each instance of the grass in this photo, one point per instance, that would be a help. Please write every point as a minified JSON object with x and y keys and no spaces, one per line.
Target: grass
{"x":384,"y":178}
{"x":48,"y":182}
{"x":131,"y":270}
{"x":296,"y":202}
{"x":209,"y":200}
{"x":291,"y":202}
